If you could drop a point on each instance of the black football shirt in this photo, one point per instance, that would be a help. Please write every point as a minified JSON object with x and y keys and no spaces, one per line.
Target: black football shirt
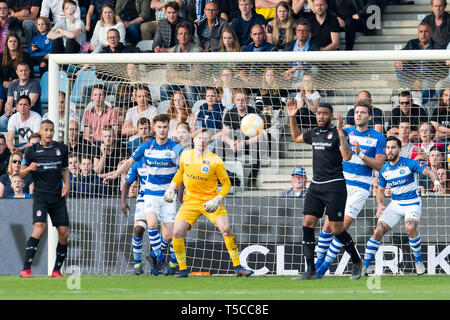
{"x":51,"y":160}
{"x":327,"y":158}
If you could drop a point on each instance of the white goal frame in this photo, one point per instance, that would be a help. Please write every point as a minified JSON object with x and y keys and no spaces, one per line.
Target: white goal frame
{"x":55,"y":60}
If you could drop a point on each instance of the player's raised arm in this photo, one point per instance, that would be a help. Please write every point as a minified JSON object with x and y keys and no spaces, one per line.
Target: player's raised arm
{"x":346,"y":150}
{"x":434,"y":177}
{"x":292,"y":108}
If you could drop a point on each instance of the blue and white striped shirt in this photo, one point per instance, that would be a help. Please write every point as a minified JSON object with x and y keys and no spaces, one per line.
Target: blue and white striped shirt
{"x":138,"y":171}
{"x":161,"y":162}
{"x":356,"y":172}
{"x":402,"y":180}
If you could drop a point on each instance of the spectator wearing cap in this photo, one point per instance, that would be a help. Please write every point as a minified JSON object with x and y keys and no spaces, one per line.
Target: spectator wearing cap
{"x":61,"y":115}
{"x":298,"y":181}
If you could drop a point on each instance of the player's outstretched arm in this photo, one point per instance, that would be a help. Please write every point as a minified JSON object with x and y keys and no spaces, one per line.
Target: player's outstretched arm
{"x":26,"y":170}
{"x":124,"y":167}
{"x":66,"y":179}
{"x":123,"y":198}
{"x":434,"y":177}
{"x":292,"y":108}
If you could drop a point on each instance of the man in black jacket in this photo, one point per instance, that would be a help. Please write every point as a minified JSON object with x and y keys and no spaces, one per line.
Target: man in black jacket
{"x":426,"y":72}
{"x":352,"y":16}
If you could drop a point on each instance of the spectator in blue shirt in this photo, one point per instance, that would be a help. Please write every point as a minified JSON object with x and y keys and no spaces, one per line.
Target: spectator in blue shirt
{"x":40,"y":46}
{"x":243,"y":24}
{"x":18,"y":184}
{"x":86,"y":183}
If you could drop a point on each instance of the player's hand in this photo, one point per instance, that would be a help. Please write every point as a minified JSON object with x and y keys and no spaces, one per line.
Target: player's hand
{"x":380,"y":211}
{"x":65,"y":191}
{"x":109,"y":178}
{"x":292,"y":107}
{"x":169,"y":195}
{"x":125,"y":208}
{"x":340,"y":122}
{"x":438,"y":188}
{"x":357,"y":147}
{"x":33,"y":166}
{"x":213,"y":205}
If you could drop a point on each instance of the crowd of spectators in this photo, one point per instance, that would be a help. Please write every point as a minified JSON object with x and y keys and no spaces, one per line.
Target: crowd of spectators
{"x":107,"y":133}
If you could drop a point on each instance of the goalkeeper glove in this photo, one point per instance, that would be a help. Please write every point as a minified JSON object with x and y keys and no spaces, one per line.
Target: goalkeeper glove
{"x":169,"y":195}
{"x":213,"y":204}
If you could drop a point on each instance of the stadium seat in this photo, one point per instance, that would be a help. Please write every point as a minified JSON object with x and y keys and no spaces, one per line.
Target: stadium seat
{"x":145,"y":45}
{"x":163,"y":106}
{"x":86,"y":78}
{"x":44,"y":85}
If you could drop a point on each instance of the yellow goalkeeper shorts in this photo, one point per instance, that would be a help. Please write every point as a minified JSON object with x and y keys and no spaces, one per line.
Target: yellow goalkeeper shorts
{"x":191,"y":210}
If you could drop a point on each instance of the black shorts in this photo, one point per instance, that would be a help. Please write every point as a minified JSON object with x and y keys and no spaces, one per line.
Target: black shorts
{"x":54,"y":205}
{"x":331,"y":196}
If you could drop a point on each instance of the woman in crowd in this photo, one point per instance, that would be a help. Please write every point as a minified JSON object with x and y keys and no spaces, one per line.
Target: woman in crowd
{"x":106,"y":22}
{"x":427,"y":136}
{"x":69,"y":35}
{"x":179,"y":111}
{"x":229,"y":41}
{"x":41,"y":46}
{"x":281,"y":29}
{"x":15,"y":162}
{"x":11,"y":57}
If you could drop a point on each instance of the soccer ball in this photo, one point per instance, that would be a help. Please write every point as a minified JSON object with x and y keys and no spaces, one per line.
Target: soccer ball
{"x":252,"y":124}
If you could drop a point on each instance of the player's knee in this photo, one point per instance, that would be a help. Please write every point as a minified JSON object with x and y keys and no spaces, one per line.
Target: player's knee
{"x":139,"y":231}
{"x":226,"y":231}
{"x":38,"y":230}
{"x":411,"y":227}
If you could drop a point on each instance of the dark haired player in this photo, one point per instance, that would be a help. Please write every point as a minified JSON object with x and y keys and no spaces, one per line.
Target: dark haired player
{"x":327,"y":189}
{"x":48,"y":162}
{"x":399,"y":173}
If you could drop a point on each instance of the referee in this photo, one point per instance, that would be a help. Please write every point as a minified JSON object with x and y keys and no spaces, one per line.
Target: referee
{"x":327,"y":189}
{"x":47,"y":161}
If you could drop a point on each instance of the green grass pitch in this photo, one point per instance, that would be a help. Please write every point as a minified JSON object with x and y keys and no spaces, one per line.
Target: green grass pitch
{"x":224,"y":287}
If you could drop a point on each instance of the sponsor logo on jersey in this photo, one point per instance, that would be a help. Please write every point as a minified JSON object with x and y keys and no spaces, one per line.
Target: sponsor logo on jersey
{"x":38,"y":213}
{"x":330,"y":135}
{"x":205,"y":169}
{"x":58,"y":153}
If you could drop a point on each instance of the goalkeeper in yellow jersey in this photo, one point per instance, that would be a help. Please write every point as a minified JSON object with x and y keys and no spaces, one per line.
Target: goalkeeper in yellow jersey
{"x":199,"y":171}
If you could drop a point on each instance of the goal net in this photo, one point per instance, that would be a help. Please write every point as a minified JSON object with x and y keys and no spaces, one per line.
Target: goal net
{"x":102,"y":130}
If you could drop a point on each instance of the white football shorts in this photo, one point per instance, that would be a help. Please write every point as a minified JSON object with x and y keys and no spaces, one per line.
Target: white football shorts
{"x":394,"y":212}
{"x":356,"y":199}
{"x":165,"y":211}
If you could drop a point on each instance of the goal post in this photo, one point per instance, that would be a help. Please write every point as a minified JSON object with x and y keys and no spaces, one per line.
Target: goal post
{"x":267,"y":226}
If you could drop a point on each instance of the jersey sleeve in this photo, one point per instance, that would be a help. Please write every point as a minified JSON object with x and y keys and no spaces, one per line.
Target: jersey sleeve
{"x":132,"y":173}
{"x":139,"y":152}
{"x":381,"y":145}
{"x":381,"y":180}
{"x":416,"y":166}
{"x":307,"y":137}
{"x":178,"y":178}
{"x":28,"y":156}
{"x":65,"y":157}
{"x":222,"y":175}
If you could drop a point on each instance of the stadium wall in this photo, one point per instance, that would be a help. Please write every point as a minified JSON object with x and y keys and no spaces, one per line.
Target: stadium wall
{"x":15,"y":229}
{"x":267,"y":229}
